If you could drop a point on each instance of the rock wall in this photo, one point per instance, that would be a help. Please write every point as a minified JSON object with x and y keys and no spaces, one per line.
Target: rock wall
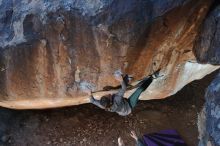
{"x":48,"y":48}
{"x":213,"y":112}
{"x":207,"y":50}
{"x":207,"y":44}
{"x":209,"y":118}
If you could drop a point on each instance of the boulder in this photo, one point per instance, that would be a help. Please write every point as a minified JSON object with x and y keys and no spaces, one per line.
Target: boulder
{"x":49,"y":48}
{"x":207,"y":50}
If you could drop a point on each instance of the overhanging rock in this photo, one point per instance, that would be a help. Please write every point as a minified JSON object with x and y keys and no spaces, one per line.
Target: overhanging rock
{"x":50,"y":47}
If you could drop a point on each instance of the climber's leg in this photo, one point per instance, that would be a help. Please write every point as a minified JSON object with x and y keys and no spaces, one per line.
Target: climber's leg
{"x":133,"y":99}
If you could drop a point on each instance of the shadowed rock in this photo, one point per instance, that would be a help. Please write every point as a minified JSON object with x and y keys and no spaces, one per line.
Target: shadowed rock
{"x":207,"y":47}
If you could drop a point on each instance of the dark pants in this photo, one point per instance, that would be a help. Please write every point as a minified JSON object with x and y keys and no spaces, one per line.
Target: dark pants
{"x":133,"y":99}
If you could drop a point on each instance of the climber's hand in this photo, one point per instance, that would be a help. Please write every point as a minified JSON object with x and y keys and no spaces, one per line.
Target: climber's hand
{"x":120,"y":142}
{"x":134,"y":135}
{"x":91,"y":99}
{"x":119,"y":78}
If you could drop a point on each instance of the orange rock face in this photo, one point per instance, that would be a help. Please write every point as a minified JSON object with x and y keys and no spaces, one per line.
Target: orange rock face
{"x":58,"y":50}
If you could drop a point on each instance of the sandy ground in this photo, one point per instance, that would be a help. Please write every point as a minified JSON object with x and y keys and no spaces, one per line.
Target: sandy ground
{"x":87,"y":125}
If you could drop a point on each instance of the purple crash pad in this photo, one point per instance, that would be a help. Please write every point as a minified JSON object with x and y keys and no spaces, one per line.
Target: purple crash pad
{"x":163,"y":138}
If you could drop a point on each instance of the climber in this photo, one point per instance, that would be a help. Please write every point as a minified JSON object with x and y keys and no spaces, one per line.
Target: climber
{"x":116,"y":102}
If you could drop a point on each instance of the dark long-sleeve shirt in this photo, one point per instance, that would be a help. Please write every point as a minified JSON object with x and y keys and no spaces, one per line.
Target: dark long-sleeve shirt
{"x":120,"y":104}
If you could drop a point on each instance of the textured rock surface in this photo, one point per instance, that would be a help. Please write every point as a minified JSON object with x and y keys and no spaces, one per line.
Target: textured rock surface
{"x":207,"y":46}
{"x":211,"y":117}
{"x":44,"y":42}
{"x":213,"y":111}
{"x":207,"y":50}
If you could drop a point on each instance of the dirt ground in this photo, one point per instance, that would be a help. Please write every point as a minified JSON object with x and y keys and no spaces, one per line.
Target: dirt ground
{"x":87,"y":125}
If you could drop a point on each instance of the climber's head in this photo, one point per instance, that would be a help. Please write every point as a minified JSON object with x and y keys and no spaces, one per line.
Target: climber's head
{"x":106,"y":101}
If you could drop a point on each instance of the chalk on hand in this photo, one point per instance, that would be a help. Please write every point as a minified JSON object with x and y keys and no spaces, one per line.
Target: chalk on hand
{"x":118,"y":73}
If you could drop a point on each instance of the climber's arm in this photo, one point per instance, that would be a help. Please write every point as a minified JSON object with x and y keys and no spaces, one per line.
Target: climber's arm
{"x":121,"y":91}
{"x":95,"y":102}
